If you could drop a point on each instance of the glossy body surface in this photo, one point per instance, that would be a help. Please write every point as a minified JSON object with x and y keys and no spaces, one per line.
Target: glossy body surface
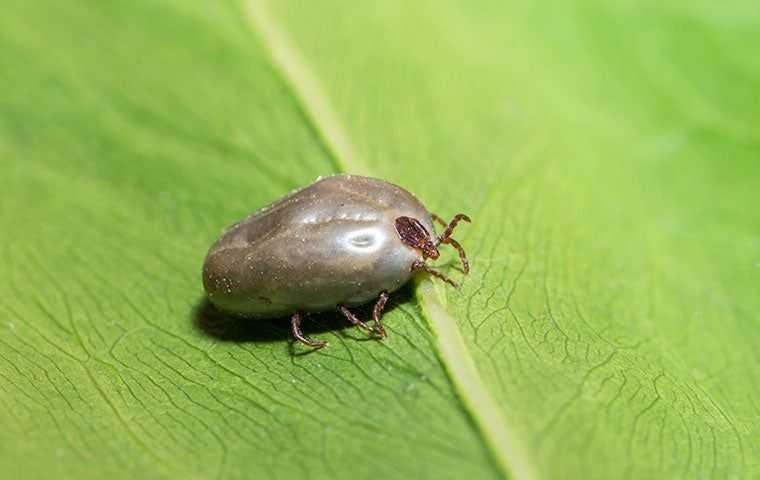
{"x":331,"y":243}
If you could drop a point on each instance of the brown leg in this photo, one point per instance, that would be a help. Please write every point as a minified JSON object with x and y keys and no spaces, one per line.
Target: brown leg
{"x":462,"y":256}
{"x":420,"y":266}
{"x":438,"y":219}
{"x":295,"y":326}
{"x":452,"y":225}
{"x":445,"y":237}
{"x":377,"y":313}
{"x":353,"y":318}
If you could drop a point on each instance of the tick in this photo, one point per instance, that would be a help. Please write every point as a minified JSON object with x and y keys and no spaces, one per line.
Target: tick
{"x":338,"y":243}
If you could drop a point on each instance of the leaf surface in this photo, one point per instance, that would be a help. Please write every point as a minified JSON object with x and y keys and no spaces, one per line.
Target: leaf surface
{"x":607,"y":153}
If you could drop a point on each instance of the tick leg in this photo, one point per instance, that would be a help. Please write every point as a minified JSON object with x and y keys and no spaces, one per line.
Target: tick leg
{"x":353,"y":318}
{"x":438,"y":219}
{"x":445,"y":237}
{"x":451,"y":226}
{"x":462,"y":256}
{"x":377,"y":313}
{"x":420,"y":266}
{"x":295,"y":326}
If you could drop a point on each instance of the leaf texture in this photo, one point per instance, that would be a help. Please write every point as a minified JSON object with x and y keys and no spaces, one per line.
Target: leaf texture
{"x":607,"y":152}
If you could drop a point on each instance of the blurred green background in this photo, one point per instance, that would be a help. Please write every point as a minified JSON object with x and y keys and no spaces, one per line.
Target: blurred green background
{"x":607,"y":150}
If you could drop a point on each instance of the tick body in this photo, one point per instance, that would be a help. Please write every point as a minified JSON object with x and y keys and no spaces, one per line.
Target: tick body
{"x":343,"y":241}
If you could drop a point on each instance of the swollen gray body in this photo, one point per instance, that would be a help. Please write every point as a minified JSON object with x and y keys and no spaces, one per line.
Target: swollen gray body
{"x":331,"y":243}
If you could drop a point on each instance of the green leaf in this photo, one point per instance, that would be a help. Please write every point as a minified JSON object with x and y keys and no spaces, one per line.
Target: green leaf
{"x":607,"y":152}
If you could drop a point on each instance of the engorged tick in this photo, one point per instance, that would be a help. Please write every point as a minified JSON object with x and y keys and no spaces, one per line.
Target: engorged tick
{"x":338,"y":243}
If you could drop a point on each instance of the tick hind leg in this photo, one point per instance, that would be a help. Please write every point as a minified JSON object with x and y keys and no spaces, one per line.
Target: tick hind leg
{"x":377,"y":310}
{"x":295,"y":326}
{"x":445,"y":237}
{"x":377,"y":313}
{"x":353,"y":318}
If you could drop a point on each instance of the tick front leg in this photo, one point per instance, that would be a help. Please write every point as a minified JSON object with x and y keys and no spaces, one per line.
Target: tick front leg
{"x":462,"y":256}
{"x":438,"y":219}
{"x":377,"y":312}
{"x":420,"y":266}
{"x":295,"y":326}
{"x":445,"y":237}
{"x":451,"y":226}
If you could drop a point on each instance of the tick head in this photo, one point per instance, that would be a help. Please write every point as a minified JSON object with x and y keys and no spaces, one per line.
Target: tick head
{"x":414,"y":234}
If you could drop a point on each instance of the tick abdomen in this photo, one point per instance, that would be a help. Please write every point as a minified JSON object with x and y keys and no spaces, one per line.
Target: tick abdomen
{"x":332,"y":242}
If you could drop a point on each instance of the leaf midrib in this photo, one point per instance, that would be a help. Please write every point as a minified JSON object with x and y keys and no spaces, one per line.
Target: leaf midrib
{"x":306,"y":90}
{"x":509,"y":455}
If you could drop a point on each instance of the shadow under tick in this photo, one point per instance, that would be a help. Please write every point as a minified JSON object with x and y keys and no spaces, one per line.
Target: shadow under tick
{"x":212,"y":322}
